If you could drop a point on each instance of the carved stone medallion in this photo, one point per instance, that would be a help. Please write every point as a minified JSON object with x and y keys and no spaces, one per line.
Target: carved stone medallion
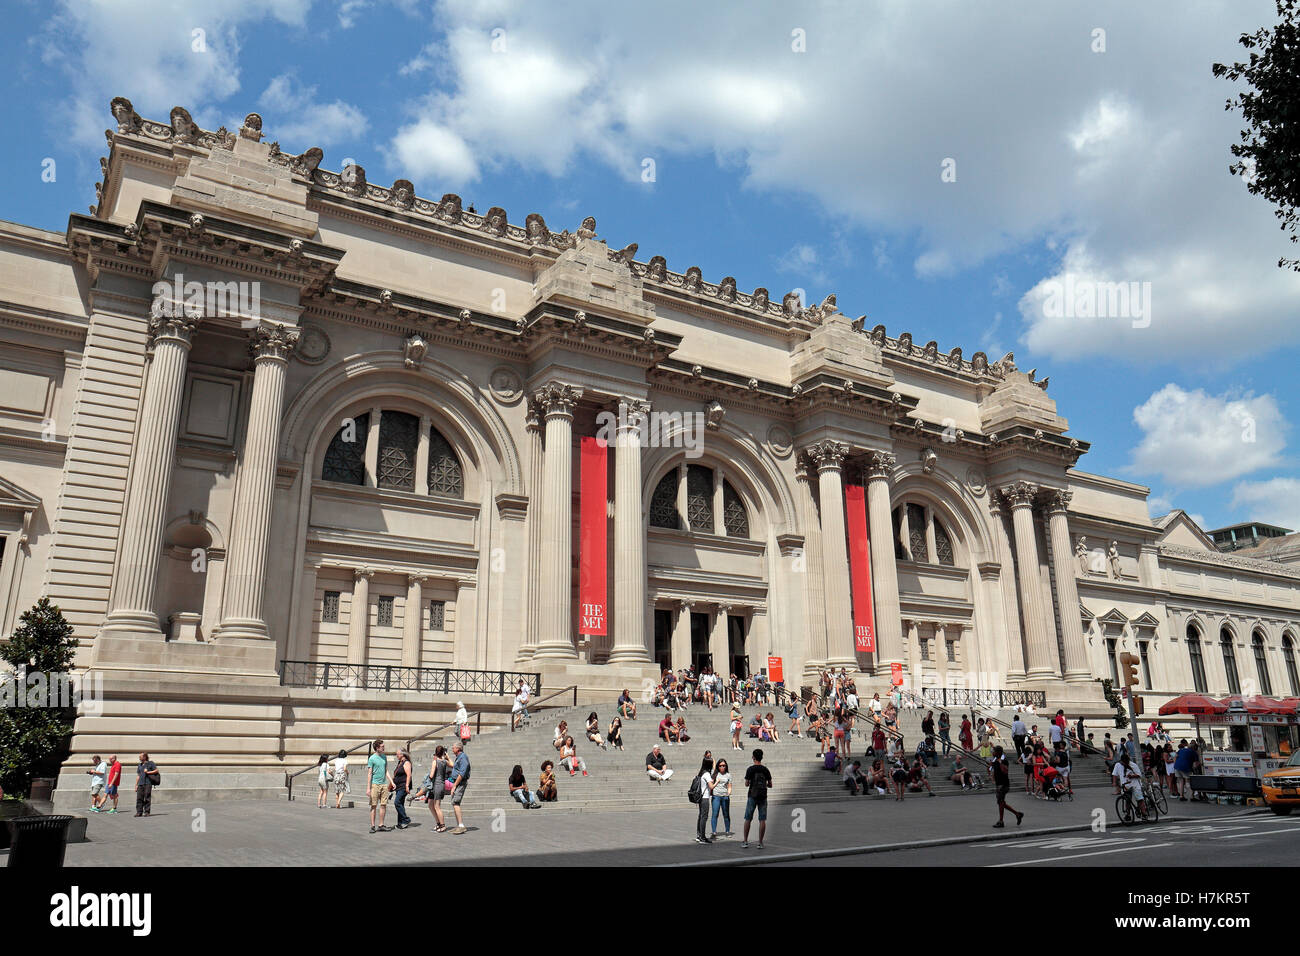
{"x":780,"y":441}
{"x":313,"y":345}
{"x":506,"y":385}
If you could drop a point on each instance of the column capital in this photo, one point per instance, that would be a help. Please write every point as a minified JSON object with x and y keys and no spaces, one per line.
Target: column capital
{"x":633,"y":415}
{"x":828,"y":455}
{"x":1056,"y":500}
{"x":878,"y":464}
{"x":420,"y":579}
{"x":273,"y":342}
{"x":1020,"y":494}
{"x":359,"y":573}
{"x":172,"y":328}
{"x":556,"y":400}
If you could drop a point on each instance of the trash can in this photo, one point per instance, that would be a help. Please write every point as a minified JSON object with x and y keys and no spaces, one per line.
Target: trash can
{"x":38,"y":842}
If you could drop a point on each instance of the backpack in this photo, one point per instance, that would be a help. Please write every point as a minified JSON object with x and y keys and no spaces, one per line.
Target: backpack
{"x":758,"y":786}
{"x":696,"y":793}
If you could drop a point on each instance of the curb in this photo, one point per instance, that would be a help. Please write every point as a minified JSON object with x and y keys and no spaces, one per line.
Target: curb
{"x":917,"y":845}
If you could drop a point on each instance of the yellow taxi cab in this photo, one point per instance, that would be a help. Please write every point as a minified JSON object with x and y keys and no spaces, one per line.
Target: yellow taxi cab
{"x":1282,"y":786}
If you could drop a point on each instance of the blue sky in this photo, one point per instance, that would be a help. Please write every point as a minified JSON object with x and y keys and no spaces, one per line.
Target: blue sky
{"x":792,"y":147}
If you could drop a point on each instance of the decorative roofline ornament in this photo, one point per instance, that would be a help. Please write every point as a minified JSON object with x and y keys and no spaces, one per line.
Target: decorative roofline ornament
{"x":252,"y":128}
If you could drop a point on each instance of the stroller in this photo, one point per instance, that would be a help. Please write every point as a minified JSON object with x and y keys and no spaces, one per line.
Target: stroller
{"x":1053,"y":784}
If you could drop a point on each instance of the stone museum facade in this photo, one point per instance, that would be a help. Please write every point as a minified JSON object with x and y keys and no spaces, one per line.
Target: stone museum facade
{"x":257,"y":418}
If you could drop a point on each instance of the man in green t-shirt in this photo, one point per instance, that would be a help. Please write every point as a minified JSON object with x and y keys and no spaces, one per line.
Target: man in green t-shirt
{"x":381,"y":783}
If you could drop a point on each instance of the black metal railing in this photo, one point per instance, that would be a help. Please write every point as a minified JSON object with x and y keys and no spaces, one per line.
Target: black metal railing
{"x":389,"y":677}
{"x":977,"y":697}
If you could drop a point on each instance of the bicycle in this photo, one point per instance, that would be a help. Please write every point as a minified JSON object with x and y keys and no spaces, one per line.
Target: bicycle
{"x":1127,"y":810}
{"x":1155,"y":794}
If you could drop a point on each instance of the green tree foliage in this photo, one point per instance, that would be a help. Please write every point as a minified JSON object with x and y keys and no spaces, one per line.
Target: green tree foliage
{"x":32,"y":738}
{"x":1268,"y":156}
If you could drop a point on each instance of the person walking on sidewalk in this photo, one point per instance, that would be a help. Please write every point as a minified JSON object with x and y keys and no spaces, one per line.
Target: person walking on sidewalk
{"x":758,"y":779}
{"x":114,"y":781}
{"x":146,"y":777}
{"x":705,"y":779}
{"x":459,"y":781}
{"x":402,"y":773}
{"x":1002,"y":786}
{"x":381,"y":783}
{"x":721,"y":798}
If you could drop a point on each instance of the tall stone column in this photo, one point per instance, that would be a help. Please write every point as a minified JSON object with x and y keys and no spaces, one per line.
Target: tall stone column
{"x":1006,"y":594}
{"x":372,"y":447}
{"x":814,"y":650}
{"x":533,"y":427}
{"x":555,"y":608}
{"x":1067,"y":589}
{"x":422,"y":456}
{"x":1038,"y":637}
{"x":681,"y":647}
{"x":719,"y":644}
{"x":629,"y":538}
{"x":242,"y":615}
{"x":879,"y":466}
{"x":359,"y":616}
{"x":134,"y":606}
{"x":829,"y":458}
{"x":413,"y":620}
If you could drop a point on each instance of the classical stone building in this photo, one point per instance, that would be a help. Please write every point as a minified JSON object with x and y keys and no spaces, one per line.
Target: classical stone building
{"x":257,"y":418}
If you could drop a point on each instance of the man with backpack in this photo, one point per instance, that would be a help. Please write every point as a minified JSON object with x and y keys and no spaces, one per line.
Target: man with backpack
{"x":759,"y":781}
{"x":146,"y":778}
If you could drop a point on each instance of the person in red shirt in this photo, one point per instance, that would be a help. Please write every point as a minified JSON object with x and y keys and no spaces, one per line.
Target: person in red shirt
{"x":113,"y":780}
{"x":668,"y":731}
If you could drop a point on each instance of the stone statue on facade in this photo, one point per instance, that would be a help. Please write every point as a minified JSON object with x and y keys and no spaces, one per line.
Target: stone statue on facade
{"x":1081,"y":554}
{"x":1112,"y":560}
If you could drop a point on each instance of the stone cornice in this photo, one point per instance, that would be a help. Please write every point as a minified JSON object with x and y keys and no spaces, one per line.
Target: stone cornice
{"x":1219,"y":559}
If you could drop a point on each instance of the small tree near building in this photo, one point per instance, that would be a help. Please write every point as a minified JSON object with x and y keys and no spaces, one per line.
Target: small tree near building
{"x":33,"y":738}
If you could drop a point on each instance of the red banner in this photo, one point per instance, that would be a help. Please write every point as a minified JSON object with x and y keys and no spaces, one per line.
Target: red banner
{"x":775,"y":670}
{"x":896,"y":674}
{"x":864,"y":624}
{"x":593,"y":539}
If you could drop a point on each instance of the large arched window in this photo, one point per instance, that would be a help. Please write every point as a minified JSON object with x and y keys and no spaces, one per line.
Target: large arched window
{"x":1197,"y":662}
{"x":921,"y":537}
{"x":1288,"y":659}
{"x":702,"y":506}
{"x":1229,"y":661}
{"x":398,"y":454}
{"x":345,"y":458}
{"x":1261,"y":664}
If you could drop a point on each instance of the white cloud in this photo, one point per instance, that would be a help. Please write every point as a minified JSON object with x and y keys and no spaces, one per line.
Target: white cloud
{"x":1117,"y":160}
{"x":1193,"y":440}
{"x":429,"y":149}
{"x":1276,"y":501}
{"x":157,"y":53}
{"x":302,"y":121}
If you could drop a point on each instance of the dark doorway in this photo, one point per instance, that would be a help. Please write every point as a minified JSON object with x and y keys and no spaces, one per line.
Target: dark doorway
{"x":700,"y":656}
{"x":736,"y":645}
{"x":663,"y":639}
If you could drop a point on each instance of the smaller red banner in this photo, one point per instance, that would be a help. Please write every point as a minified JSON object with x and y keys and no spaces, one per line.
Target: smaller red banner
{"x":896,"y":674}
{"x":593,"y":539}
{"x":775,"y":670}
{"x":864,"y":624}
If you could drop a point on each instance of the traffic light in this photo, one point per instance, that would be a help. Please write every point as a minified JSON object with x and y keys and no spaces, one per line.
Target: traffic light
{"x":1128,"y":666}
{"x":1137,"y":706}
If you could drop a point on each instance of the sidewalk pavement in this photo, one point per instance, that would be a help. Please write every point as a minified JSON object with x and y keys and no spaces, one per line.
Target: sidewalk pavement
{"x":274,"y":833}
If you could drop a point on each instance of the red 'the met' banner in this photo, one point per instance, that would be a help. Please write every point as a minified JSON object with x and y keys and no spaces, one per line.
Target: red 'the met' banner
{"x":864,"y":624}
{"x":593,"y":539}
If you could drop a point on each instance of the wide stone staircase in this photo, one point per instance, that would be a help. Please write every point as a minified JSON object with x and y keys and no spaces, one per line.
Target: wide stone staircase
{"x":618,"y":781}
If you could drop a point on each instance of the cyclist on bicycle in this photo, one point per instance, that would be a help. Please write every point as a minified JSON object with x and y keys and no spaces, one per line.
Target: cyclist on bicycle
{"x":1129,"y":778}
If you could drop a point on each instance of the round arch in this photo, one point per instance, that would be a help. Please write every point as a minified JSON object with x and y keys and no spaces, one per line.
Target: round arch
{"x":464,"y":416}
{"x":755,"y":478}
{"x":952,"y":502}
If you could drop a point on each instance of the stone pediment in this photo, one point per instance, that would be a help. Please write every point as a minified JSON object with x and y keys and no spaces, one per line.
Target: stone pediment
{"x":18,"y":501}
{"x":1146,"y":620}
{"x":584,"y":276}
{"x":1113,"y":617}
{"x":835,"y":348}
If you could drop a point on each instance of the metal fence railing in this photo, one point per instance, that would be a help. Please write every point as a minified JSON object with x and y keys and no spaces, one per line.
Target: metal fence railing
{"x":977,"y":697}
{"x":390,"y":677}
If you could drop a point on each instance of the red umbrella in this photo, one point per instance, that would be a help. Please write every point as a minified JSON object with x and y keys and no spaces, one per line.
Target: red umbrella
{"x":1193,"y":704}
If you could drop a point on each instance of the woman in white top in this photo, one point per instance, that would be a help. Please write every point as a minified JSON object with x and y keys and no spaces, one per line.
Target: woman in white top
{"x":462,"y":722}
{"x":722,"y":798}
{"x":323,"y":781}
{"x":561,"y":731}
{"x":570,"y":760}
{"x":340,"y":778}
{"x":593,"y":731}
